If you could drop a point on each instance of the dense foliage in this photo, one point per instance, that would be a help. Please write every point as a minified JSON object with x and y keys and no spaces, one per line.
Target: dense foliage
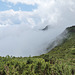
{"x":59,"y":61}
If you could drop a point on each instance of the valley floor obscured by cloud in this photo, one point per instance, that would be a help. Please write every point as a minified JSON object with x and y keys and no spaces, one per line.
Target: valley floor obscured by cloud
{"x":19,"y":30}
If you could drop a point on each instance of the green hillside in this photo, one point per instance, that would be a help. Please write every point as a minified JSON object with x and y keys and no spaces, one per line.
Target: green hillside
{"x":59,"y":61}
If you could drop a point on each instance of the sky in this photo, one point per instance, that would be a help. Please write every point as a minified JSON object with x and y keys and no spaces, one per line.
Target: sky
{"x":21,"y":21}
{"x":4,"y":5}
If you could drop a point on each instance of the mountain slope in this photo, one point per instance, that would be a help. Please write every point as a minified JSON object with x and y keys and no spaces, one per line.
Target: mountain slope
{"x":66,"y":50}
{"x":59,"y":61}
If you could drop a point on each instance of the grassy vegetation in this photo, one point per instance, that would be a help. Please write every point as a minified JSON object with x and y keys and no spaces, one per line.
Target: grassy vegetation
{"x":59,"y":61}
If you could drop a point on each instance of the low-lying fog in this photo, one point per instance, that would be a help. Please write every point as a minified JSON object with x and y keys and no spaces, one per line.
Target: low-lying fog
{"x":22,"y":41}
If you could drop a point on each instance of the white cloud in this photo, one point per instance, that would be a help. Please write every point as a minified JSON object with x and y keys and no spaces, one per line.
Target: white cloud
{"x":20,"y":30}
